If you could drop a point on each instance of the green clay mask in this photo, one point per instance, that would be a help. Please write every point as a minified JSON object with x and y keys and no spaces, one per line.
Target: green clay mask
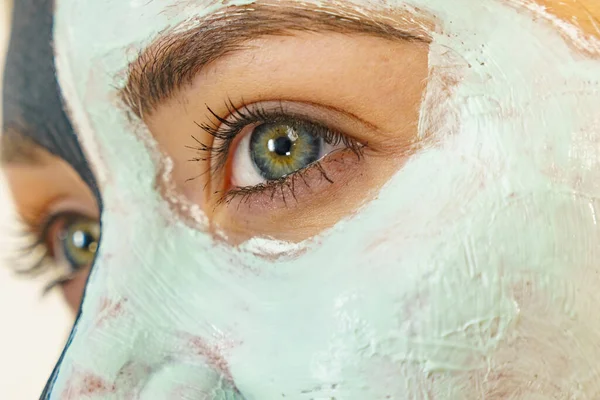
{"x":471,"y":272}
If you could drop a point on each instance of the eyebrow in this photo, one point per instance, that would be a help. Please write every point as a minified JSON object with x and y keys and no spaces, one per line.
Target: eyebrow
{"x":174,"y":59}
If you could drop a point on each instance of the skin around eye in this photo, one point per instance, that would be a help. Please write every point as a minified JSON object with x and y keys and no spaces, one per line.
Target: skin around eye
{"x":364,"y":88}
{"x":60,"y":222}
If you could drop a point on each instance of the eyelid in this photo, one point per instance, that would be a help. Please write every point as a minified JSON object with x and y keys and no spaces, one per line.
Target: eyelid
{"x":329,"y":117}
{"x":64,"y":208}
{"x":326,"y":115}
{"x":317,"y":113}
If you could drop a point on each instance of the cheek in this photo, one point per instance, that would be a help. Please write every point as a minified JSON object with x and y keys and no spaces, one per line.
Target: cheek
{"x":520,"y":299}
{"x":551,"y":350}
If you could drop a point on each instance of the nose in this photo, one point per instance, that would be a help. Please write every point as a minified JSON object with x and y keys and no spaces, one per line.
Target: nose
{"x":184,"y":375}
{"x":107,"y":357}
{"x":187,"y":381}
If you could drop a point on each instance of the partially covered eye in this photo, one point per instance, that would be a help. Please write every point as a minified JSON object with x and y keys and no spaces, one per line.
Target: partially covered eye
{"x":274,"y":150}
{"x":78,"y":241}
{"x":73,"y":241}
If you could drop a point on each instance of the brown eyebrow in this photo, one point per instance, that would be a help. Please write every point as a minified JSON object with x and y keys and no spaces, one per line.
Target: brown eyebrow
{"x":173,"y":60}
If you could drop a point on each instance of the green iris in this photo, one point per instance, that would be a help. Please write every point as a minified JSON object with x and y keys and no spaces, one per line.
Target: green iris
{"x":79,"y":241}
{"x":279,"y":149}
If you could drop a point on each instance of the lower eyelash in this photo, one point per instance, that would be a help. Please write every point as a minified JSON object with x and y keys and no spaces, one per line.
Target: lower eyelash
{"x":245,"y":194}
{"x":279,"y":186}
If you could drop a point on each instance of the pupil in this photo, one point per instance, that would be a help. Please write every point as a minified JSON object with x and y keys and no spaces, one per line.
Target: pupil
{"x":82,"y":240}
{"x":281,"y":146}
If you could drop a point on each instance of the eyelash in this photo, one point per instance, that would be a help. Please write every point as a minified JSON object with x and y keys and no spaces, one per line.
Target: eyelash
{"x":33,"y":236}
{"x":225,"y":130}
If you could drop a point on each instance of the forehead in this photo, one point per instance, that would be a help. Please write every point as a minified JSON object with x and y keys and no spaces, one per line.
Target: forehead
{"x":583,"y":13}
{"x":129,"y":26}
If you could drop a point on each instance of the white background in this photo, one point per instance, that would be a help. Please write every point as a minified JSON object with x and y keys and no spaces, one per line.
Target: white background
{"x":32,"y":329}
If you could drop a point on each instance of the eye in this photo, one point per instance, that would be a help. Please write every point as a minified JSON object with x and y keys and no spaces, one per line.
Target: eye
{"x":268,"y":147}
{"x":59,"y":248}
{"x":73,"y":240}
{"x":275,"y":150}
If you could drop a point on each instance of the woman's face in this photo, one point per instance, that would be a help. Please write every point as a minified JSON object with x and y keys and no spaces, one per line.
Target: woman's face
{"x":305,"y":200}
